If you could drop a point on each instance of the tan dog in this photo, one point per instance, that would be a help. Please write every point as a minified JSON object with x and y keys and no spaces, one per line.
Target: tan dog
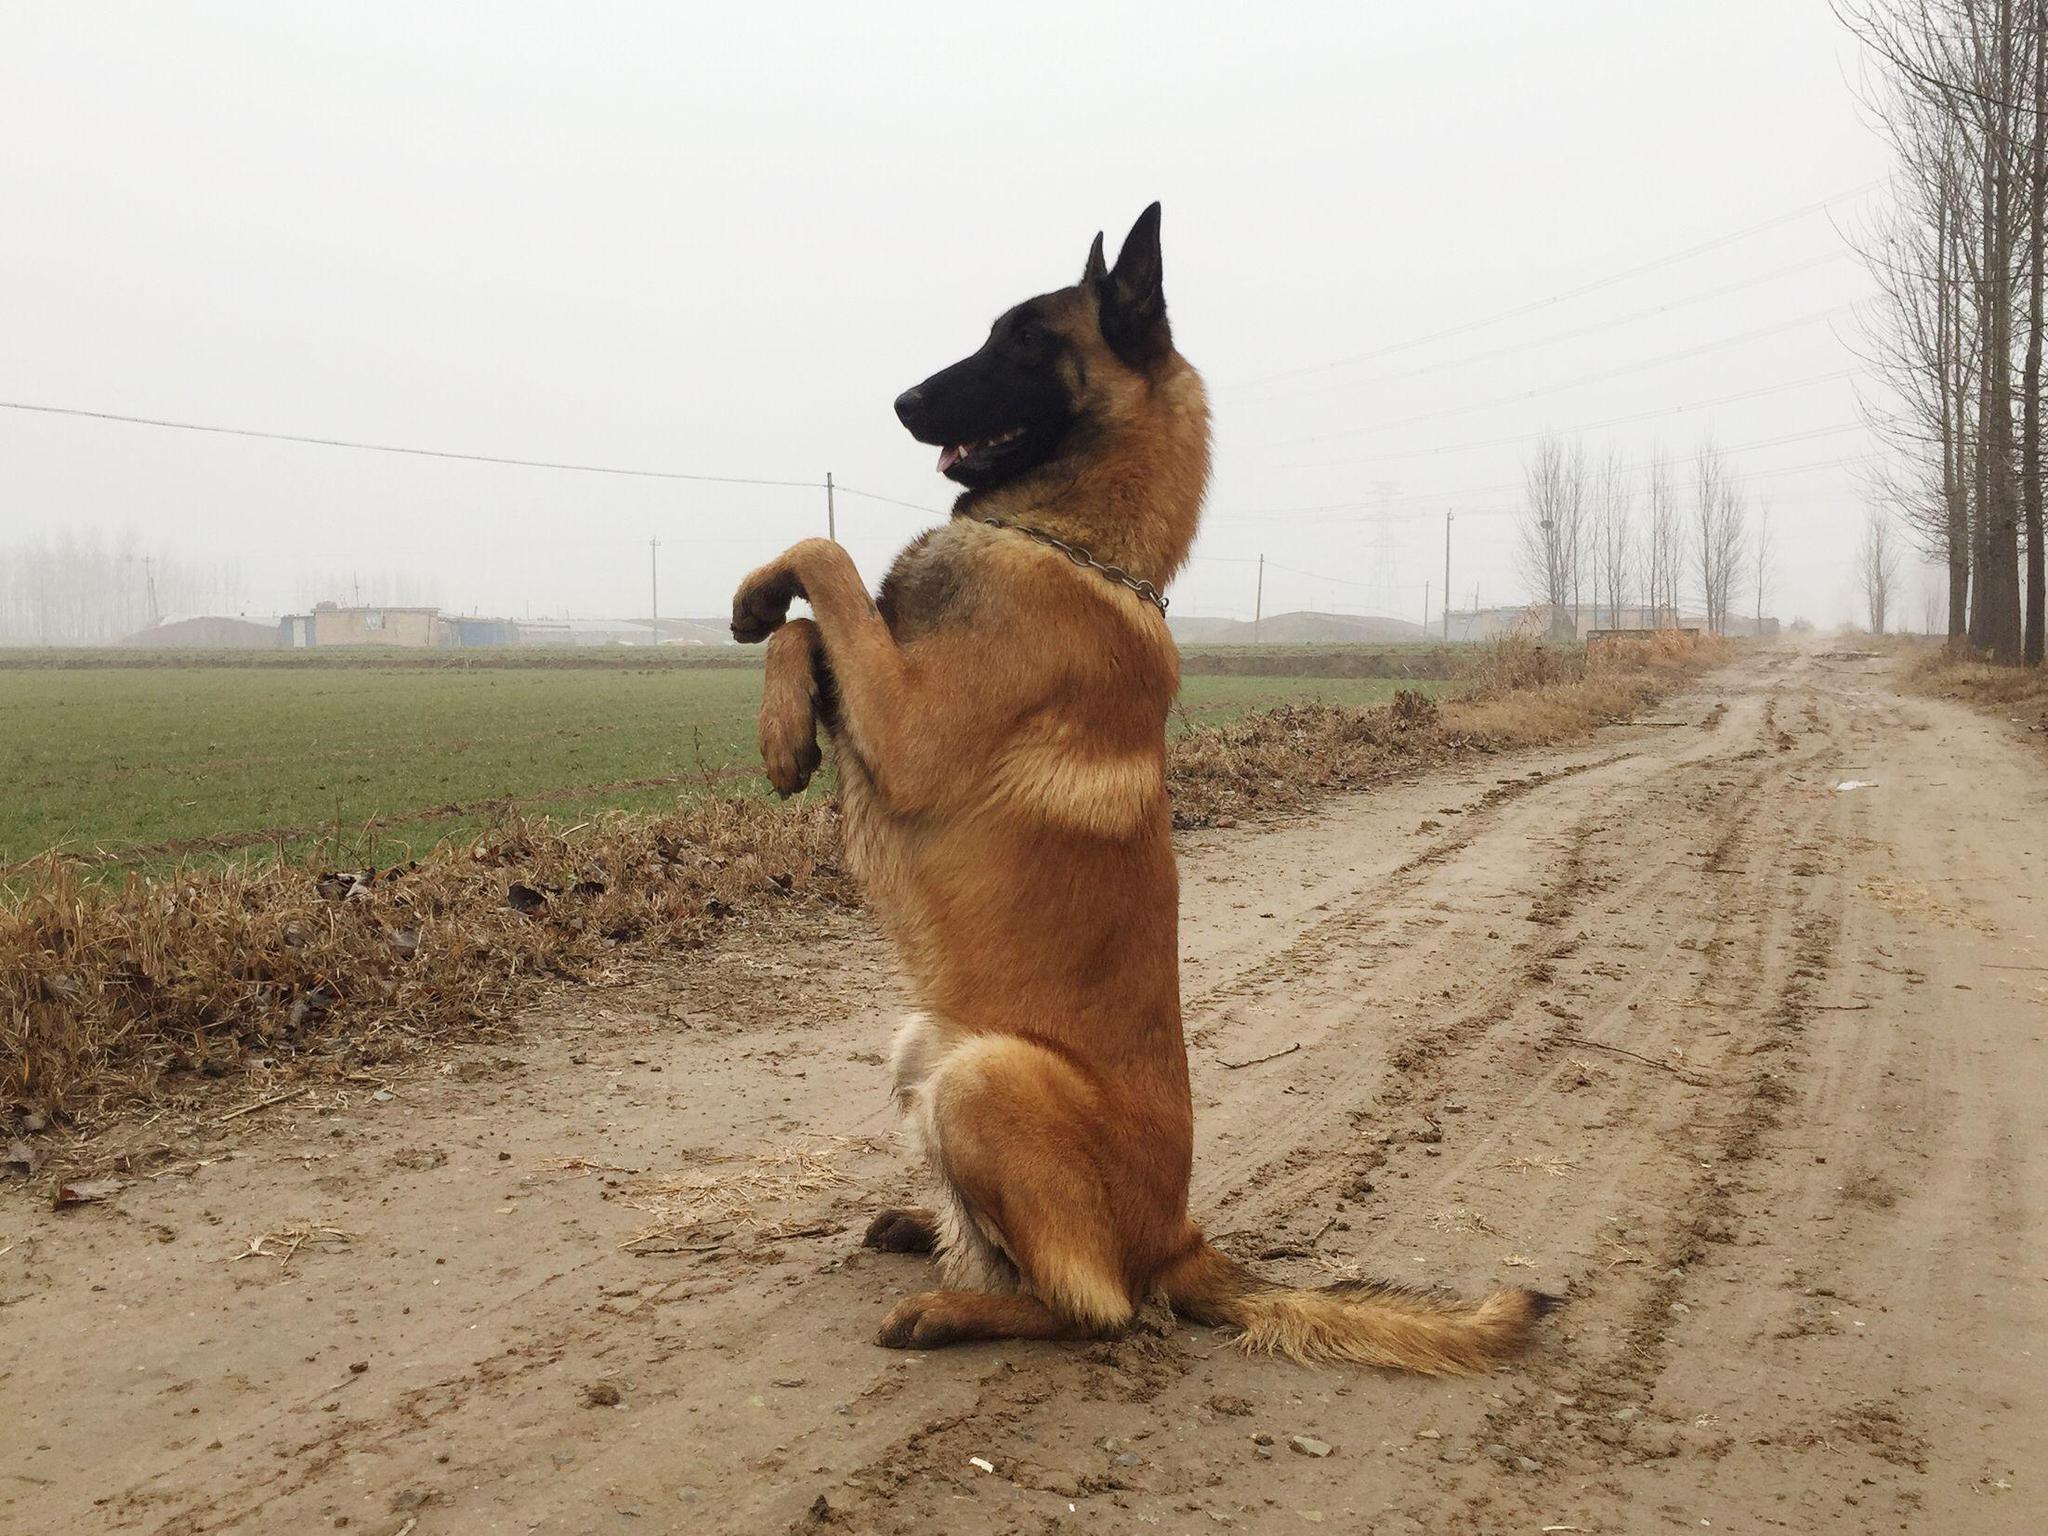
{"x":998,"y":716}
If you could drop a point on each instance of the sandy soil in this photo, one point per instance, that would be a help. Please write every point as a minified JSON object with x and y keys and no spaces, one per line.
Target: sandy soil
{"x":1801,"y":1227}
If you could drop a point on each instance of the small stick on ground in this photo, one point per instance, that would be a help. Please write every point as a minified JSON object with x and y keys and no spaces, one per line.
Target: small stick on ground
{"x":1556,"y":1167}
{"x":1628,"y":1256}
{"x":1838,"y":1007}
{"x":581,"y":1165}
{"x":250,"y":1109}
{"x":296,"y":1238}
{"x":1683,"y":1074}
{"x":1233,"y":1066}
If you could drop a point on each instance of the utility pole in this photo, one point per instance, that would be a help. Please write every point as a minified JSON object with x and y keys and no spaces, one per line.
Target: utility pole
{"x":654,"y":589}
{"x":1425,"y":607}
{"x":831,"y":516}
{"x":149,"y":585}
{"x":1259,"y":602}
{"x":1447,"y":576}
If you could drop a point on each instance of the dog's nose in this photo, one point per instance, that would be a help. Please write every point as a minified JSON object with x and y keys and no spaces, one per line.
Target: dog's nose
{"x":908,"y":402}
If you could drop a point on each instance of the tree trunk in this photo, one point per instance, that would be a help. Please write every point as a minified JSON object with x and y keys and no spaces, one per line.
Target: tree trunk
{"x":2030,"y":403}
{"x":1987,"y":368}
{"x":1999,"y":586}
{"x":1954,"y":420}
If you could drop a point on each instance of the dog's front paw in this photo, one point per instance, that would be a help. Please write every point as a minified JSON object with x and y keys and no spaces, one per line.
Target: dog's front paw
{"x":761,"y":605}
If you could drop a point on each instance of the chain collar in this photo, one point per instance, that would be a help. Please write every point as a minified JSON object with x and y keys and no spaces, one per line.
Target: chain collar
{"x":1080,"y":556}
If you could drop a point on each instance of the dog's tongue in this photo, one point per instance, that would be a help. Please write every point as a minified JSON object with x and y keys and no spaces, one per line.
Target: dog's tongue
{"x":949,"y":456}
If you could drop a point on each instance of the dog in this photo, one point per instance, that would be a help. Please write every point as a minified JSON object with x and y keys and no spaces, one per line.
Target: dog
{"x":997,"y":714}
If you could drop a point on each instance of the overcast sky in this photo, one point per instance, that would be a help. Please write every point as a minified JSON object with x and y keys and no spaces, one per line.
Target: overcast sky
{"x":721,"y":239}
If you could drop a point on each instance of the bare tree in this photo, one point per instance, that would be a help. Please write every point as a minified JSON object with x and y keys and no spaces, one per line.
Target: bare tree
{"x":1963,"y":98}
{"x":1553,"y":516}
{"x":1763,"y":558}
{"x":1659,"y":545}
{"x":79,"y":589}
{"x":1933,"y":600}
{"x":1921,"y":336}
{"x":1613,"y":539}
{"x":1577,"y":538}
{"x":1716,"y":534}
{"x":1877,"y":567}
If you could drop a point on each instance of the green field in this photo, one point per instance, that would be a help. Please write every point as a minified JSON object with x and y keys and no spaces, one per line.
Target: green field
{"x":143,"y":765}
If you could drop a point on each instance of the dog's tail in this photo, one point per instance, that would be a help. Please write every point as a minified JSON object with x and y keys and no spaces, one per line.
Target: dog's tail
{"x":1362,"y":1322}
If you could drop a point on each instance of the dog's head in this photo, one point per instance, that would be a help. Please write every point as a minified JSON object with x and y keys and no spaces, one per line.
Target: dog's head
{"x":1054,"y":371}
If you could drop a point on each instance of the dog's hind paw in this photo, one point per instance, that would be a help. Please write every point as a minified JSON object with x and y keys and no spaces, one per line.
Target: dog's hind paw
{"x":903,"y":1230}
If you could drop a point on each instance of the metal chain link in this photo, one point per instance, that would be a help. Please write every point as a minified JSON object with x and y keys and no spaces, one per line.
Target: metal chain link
{"x":1080,"y":556}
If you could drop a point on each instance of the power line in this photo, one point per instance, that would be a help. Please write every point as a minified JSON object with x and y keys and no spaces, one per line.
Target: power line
{"x":1654,"y":310}
{"x":1578,"y":292}
{"x":1590,"y":378}
{"x":1424,"y":504}
{"x":1590,"y":426}
{"x":1293,"y":570}
{"x":909,"y":506}
{"x":1810,"y":467}
{"x":420,"y":453}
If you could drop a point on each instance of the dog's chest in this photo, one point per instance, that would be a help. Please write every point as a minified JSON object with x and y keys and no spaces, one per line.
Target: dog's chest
{"x":932,"y":583}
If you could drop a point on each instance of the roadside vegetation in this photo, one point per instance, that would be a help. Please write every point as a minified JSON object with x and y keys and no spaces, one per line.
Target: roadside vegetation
{"x":116,"y":996}
{"x":2020,"y":693}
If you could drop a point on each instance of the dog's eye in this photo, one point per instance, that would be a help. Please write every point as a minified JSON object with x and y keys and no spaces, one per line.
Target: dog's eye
{"x":1031,"y":334}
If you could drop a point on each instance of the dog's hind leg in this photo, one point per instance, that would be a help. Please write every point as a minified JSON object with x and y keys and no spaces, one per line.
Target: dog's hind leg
{"x":921,"y":1045}
{"x":1007,"y":1125}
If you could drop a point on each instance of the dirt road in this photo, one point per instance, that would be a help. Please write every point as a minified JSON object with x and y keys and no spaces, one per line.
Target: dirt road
{"x":1749,"y":1067}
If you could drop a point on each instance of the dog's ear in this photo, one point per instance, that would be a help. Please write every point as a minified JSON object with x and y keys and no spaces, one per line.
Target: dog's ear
{"x":1096,"y":273}
{"x":1133,"y":297}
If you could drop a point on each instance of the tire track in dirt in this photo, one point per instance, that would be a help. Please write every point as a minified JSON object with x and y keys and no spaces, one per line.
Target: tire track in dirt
{"x":1671,"y":1262}
{"x":1423,"y":1068}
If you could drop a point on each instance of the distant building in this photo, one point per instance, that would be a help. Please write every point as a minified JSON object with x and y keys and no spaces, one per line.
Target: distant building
{"x":585,"y":632}
{"x":1541,"y":621}
{"x":207,"y":632}
{"x":471,"y":632}
{"x":332,"y":624}
{"x":1533,"y":620}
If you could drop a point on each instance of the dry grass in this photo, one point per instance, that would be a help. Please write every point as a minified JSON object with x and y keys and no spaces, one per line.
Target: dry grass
{"x":117,"y":998}
{"x":1909,"y":898}
{"x":731,"y":1193}
{"x":112,"y":997}
{"x":1522,"y":694}
{"x":2021,"y":691}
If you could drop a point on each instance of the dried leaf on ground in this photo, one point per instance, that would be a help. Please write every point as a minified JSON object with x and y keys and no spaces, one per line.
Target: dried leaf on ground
{"x":85,"y":1192}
